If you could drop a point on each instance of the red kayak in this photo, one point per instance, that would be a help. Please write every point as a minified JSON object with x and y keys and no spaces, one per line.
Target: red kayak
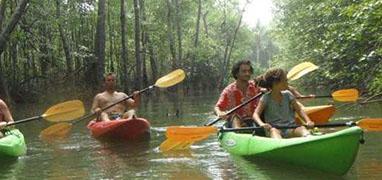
{"x":122,"y":129}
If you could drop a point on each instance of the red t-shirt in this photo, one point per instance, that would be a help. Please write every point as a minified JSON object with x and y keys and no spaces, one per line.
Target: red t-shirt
{"x":232,"y":97}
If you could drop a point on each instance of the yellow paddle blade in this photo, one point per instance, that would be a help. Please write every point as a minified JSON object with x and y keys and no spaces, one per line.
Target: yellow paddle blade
{"x":300,"y":70}
{"x":65,"y":111}
{"x":171,"y":79}
{"x":346,"y":95}
{"x":370,"y":124}
{"x":181,"y":137}
{"x":59,"y":130}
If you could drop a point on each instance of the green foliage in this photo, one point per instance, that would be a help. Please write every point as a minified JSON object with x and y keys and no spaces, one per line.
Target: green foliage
{"x":342,"y":37}
{"x":35,"y":59}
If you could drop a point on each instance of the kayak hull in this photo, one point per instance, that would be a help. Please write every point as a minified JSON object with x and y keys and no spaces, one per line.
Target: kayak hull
{"x":122,"y":129}
{"x":318,"y":114}
{"x":333,"y":152}
{"x":13,"y":144}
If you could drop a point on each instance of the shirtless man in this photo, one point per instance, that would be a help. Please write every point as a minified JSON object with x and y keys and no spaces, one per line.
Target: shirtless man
{"x":5,"y":117}
{"x":124,"y":110}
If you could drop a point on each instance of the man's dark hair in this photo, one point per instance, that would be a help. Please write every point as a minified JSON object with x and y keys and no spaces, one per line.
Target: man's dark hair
{"x":236,"y":67}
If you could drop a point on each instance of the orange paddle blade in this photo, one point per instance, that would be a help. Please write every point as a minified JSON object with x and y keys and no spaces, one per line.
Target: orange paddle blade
{"x":370,"y":124}
{"x":346,"y":95}
{"x":59,"y":130}
{"x":181,"y":137}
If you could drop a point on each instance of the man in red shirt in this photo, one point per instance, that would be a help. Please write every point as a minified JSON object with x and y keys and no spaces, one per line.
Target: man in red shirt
{"x":236,"y":93}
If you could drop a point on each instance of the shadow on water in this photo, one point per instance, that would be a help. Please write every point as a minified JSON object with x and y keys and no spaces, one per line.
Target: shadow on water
{"x":116,"y":159}
{"x":10,"y":166}
{"x":80,"y":156}
{"x":259,"y":168}
{"x":93,"y":159}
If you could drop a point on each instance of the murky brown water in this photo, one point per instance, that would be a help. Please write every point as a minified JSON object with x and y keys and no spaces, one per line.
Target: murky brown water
{"x":82,"y":157}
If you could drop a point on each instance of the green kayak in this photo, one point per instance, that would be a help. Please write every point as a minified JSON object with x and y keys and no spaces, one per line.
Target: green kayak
{"x":333,"y":152}
{"x":13,"y":144}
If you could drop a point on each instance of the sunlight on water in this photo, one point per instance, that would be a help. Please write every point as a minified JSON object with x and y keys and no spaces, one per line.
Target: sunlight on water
{"x":79,"y":156}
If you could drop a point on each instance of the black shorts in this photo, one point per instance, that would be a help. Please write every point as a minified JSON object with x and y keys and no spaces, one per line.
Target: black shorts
{"x":115,"y":116}
{"x":247,"y":122}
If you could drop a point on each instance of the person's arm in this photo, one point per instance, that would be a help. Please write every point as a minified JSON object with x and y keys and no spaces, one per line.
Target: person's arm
{"x":5,"y":110}
{"x":221,"y":105}
{"x":257,"y":115}
{"x":294,"y":91}
{"x":95,"y":106}
{"x":220,"y":113}
{"x":297,"y":94}
{"x":133,"y":102}
{"x":298,"y":109}
{"x":7,"y":114}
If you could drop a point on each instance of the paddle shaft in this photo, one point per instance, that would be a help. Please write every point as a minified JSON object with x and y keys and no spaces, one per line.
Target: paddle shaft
{"x":24,"y":120}
{"x":334,"y":124}
{"x":308,"y":97}
{"x":235,"y":108}
{"x":111,"y":105}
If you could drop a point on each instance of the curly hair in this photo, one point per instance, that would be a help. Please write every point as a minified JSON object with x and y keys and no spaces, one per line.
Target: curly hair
{"x":270,"y":77}
{"x":236,"y":67}
{"x":259,"y":80}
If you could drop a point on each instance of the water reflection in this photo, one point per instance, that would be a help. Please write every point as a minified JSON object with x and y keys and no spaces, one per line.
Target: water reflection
{"x":79,"y":156}
{"x":113,"y":159}
{"x":9,"y":166}
{"x":263,"y":169}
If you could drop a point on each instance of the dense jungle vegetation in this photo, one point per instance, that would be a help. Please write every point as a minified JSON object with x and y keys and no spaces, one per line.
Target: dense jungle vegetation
{"x":65,"y":47}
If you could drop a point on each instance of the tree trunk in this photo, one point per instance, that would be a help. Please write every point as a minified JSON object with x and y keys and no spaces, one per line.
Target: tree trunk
{"x":65,"y":45}
{"x":179,"y":31}
{"x":99,"y":45}
{"x":154,"y":68}
{"x":205,"y":23}
{"x":124,"y":49}
{"x":16,"y":16}
{"x":229,"y":48}
{"x":138,"y":78}
{"x":196,"y":40}
{"x":4,"y":91}
{"x":111,"y":39}
{"x":170,"y":35}
{"x":144,"y":45}
{"x":13,"y":59}
{"x":3,"y":5}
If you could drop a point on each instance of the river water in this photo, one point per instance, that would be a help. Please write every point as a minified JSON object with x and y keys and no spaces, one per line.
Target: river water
{"x":79,"y":156}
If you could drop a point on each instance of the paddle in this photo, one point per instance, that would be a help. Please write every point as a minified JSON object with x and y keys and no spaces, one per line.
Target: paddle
{"x":174,"y":143}
{"x":295,"y":73}
{"x":343,"y":95}
{"x":196,"y":133}
{"x":181,"y":137}
{"x":368,"y":124}
{"x":65,"y":111}
{"x":235,"y":108}
{"x":199,"y":133}
{"x":62,"y":129}
{"x":300,"y":70}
